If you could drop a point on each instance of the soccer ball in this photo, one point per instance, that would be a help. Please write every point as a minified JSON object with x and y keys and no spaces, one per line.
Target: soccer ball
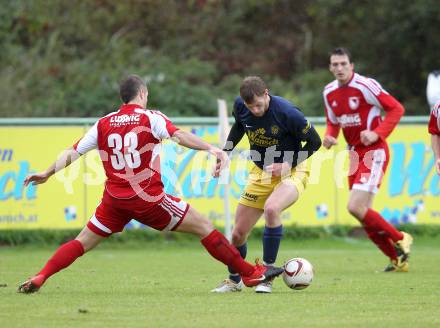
{"x":298,"y":273}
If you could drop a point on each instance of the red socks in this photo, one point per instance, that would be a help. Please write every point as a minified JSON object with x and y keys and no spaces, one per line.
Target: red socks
{"x":383,"y":242}
{"x":64,"y":256}
{"x":218,"y":246}
{"x":381,"y":233}
{"x":373,"y":221}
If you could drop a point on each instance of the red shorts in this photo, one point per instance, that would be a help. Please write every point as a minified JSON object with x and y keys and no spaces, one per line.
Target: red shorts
{"x":112,"y":214}
{"x":368,"y":166}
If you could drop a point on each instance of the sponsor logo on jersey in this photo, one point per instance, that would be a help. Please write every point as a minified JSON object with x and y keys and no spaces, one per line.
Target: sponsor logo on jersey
{"x":347,"y":120}
{"x":353,"y":103}
{"x":125,"y":119}
{"x":259,"y":138}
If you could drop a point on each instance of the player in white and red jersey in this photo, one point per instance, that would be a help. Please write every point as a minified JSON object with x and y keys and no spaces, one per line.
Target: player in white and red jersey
{"x":434,"y":130}
{"x":354,"y":103}
{"x":128,"y":141}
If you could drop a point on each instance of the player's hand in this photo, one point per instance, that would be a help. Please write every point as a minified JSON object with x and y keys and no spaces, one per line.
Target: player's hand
{"x":369,"y":137}
{"x":37,"y":178}
{"x":279,"y":169}
{"x":217,"y":169}
{"x":222,"y":160}
{"x":329,"y":141}
{"x":437,"y":166}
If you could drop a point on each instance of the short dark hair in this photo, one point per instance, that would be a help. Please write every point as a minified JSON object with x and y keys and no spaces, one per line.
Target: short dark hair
{"x":250,"y":87}
{"x":340,"y":51}
{"x":129,"y":87}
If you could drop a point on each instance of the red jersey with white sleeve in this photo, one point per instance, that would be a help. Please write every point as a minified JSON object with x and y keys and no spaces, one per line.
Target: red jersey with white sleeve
{"x":356,"y":106}
{"x":129,"y":143}
{"x":434,"y":120}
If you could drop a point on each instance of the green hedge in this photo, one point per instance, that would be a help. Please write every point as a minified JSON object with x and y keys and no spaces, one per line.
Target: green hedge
{"x":46,"y":236}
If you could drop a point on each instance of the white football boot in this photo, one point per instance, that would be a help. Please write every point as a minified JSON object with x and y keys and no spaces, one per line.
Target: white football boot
{"x":228,"y":286}
{"x":264,"y":287}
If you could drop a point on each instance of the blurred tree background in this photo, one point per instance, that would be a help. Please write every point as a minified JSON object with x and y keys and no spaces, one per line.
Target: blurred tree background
{"x":65,"y":58}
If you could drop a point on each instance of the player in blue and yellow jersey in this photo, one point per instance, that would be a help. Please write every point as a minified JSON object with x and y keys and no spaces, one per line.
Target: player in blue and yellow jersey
{"x":280,"y":139}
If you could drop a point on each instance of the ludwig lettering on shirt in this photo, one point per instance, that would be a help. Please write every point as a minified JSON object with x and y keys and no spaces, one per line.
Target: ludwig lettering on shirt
{"x":124,"y":119}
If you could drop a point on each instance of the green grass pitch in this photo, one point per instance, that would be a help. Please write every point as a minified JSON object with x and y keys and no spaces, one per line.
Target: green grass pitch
{"x":167,"y":285}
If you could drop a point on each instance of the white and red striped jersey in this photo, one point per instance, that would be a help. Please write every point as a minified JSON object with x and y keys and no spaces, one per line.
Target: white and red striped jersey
{"x":129,"y":143}
{"x":434,"y":120}
{"x":356,"y":106}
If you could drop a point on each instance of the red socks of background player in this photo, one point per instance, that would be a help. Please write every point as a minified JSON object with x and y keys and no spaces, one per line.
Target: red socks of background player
{"x":219,"y":248}
{"x":382,"y":241}
{"x":382,"y":233}
{"x":64,"y":256}
{"x":377,"y":223}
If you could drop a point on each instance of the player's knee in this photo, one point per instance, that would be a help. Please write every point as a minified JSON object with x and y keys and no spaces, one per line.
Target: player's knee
{"x":88,"y":239}
{"x":238,"y":237}
{"x":204,"y":225}
{"x":271,"y":213}
{"x":355,"y":210}
{"x":207,"y":224}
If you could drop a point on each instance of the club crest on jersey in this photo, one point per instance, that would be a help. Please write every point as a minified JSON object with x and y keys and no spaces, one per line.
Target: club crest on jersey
{"x":353,"y":102}
{"x":274,"y":129}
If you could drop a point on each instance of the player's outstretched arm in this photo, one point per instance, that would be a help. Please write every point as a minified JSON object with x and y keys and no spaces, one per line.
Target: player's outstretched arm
{"x":67,"y":157}
{"x":190,"y":140}
{"x":234,"y":137}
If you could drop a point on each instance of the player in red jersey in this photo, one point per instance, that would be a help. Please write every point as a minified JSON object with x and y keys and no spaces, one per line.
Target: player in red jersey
{"x":354,"y":103}
{"x":129,"y":141}
{"x":434,"y":130}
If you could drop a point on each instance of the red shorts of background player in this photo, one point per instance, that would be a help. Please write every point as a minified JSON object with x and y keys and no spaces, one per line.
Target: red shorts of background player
{"x":112,"y":214}
{"x":368,"y":166}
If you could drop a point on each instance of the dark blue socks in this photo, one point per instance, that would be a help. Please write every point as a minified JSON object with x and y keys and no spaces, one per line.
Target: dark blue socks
{"x":271,"y":243}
